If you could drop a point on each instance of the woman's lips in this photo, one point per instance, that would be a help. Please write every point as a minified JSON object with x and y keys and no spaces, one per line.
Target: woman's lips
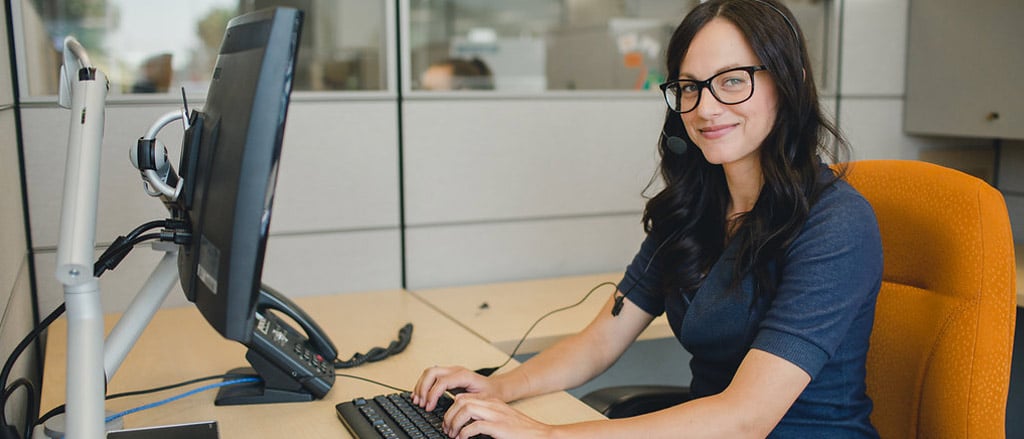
{"x":716,"y":131}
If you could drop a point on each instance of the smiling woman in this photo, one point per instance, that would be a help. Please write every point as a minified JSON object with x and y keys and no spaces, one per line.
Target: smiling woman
{"x":765,"y":261}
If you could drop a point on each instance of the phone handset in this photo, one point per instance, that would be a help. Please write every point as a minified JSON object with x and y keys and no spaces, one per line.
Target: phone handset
{"x":270,"y":298}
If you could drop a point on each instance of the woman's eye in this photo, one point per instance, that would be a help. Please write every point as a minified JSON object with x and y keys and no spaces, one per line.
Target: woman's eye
{"x":734,"y":82}
{"x":688,"y":88}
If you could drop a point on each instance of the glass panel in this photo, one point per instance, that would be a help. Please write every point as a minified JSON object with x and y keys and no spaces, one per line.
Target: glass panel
{"x":538,"y":45}
{"x":150,"y":46}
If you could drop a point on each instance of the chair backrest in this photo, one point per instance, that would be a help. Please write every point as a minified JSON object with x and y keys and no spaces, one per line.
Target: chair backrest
{"x":939,"y":361}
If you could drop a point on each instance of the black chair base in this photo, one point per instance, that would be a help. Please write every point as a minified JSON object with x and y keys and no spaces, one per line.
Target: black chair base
{"x":627,"y":401}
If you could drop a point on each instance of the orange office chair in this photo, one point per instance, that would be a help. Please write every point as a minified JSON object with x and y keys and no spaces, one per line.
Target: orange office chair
{"x":939,"y":361}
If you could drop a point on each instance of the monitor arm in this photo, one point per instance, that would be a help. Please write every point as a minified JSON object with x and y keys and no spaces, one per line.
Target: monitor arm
{"x":91,"y":362}
{"x":83,"y":90}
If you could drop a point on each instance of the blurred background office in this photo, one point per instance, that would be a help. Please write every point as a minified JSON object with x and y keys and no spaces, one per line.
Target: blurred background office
{"x":384,"y":184}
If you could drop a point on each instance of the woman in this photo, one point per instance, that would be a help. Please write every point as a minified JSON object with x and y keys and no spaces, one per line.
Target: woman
{"x":765,"y":262}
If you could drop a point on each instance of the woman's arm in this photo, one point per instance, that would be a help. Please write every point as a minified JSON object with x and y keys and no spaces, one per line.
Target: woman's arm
{"x":762,"y":391}
{"x":568,"y":363}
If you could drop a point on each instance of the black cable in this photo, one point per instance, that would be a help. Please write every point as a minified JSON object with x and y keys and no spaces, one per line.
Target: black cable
{"x":143,"y":238}
{"x":175,"y":230}
{"x":487,"y":371}
{"x":5,"y":373}
{"x":146,"y":227}
{"x":30,"y":406}
{"x":60,"y":409}
{"x":119,"y":249}
{"x":227,"y":376}
{"x":345,"y":375}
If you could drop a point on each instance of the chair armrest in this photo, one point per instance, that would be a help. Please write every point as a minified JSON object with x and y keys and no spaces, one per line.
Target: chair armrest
{"x":626,"y":401}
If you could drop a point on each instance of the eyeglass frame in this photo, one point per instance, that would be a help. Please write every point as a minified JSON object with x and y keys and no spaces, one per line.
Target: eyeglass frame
{"x":701,"y":85}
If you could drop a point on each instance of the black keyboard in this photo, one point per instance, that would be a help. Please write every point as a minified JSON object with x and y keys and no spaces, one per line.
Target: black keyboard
{"x":393,"y":416}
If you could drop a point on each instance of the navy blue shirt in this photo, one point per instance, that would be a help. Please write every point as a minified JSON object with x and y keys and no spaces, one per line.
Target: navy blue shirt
{"x":820,"y":318}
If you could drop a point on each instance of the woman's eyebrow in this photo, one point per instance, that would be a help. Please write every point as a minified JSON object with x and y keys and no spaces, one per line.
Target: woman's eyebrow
{"x":690,"y":76}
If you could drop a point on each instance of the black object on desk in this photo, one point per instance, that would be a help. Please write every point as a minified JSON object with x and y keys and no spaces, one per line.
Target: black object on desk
{"x":198,"y":430}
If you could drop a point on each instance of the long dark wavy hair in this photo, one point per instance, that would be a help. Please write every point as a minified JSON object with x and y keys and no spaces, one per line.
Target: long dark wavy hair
{"x":689,"y":215}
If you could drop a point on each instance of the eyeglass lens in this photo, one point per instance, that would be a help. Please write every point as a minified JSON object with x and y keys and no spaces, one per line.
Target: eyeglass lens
{"x":729,"y":87}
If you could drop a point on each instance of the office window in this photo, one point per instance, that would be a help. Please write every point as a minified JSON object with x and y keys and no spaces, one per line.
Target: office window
{"x":539,"y":45}
{"x":150,"y":46}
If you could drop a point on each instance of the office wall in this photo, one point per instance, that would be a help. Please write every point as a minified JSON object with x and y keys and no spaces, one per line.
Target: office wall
{"x":335,"y":223}
{"x":873,"y":59}
{"x":503,"y":189}
{"x":15,"y":284}
{"x":872,"y":83}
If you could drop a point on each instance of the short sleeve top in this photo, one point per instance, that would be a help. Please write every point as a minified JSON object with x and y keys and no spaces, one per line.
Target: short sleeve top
{"x":820,"y":318}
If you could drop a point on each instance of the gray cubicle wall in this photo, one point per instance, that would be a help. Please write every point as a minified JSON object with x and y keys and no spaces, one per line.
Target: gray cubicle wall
{"x":525,"y":187}
{"x":335,"y":226}
{"x":15,"y":281}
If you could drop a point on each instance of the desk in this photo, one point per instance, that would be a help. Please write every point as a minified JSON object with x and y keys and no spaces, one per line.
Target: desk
{"x":178,"y":345}
{"x":513,"y":306}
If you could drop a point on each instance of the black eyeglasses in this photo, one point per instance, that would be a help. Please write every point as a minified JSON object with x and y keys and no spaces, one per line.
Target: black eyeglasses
{"x":730,"y":87}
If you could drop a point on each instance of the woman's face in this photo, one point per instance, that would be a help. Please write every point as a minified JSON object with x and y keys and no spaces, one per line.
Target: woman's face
{"x":727,"y":134}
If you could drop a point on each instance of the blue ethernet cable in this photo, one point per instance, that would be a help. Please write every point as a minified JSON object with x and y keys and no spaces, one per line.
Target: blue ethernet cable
{"x":183,"y":395}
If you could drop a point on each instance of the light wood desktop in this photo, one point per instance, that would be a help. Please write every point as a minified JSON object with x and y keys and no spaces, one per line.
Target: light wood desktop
{"x":501,"y":313}
{"x":1019,"y":253}
{"x":179,"y":345}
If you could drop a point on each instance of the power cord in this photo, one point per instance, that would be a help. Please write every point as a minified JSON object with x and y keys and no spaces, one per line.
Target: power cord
{"x":488,"y":371}
{"x":7,"y":430}
{"x":176,"y":231}
{"x":31,"y":406}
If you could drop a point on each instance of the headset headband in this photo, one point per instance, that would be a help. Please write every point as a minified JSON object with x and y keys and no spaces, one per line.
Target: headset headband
{"x":784,"y":17}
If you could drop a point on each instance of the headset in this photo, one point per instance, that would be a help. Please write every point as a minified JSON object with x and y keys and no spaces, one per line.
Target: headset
{"x":792,"y":27}
{"x":149,"y":156}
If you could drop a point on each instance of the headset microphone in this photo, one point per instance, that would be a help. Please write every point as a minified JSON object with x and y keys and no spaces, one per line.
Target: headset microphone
{"x":675,"y":144}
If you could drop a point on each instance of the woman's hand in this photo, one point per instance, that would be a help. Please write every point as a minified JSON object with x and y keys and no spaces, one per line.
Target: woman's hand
{"x":473,"y":414}
{"x":436,"y":380}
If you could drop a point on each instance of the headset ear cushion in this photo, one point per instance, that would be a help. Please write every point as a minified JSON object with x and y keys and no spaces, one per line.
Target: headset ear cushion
{"x":148,"y":154}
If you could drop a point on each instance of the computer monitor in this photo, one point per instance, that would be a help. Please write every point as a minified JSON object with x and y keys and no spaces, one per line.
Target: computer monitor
{"x":229,"y":163}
